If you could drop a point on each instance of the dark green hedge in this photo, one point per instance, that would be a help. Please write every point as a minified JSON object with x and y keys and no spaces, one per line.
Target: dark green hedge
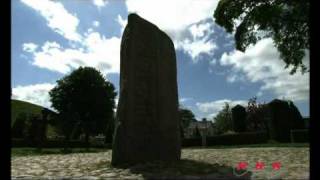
{"x":299,"y":135}
{"x":192,"y":142}
{"x":51,"y":144}
{"x":229,"y":139}
{"x":238,"y":139}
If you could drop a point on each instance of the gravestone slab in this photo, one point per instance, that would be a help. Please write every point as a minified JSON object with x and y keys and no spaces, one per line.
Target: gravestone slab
{"x":284,"y":116}
{"x":239,"y":118}
{"x":147,"y":123}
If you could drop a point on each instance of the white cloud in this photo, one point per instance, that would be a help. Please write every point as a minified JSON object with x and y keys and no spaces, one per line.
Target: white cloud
{"x":199,"y":42}
{"x":29,"y":47}
{"x":88,"y":49}
{"x":260,"y":93}
{"x":36,"y":94}
{"x":213,"y":62}
{"x":182,"y":100}
{"x":261,"y":63}
{"x":100,"y":3}
{"x":212,"y":108}
{"x":116,"y":100}
{"x":196,"y":48}
{"x":198,"y":30}
{"x":173,"y":16}
{"x":233,"y":77}
{"x":96,"y":23}
{"x":181,"y":19}
{"x":96,"y":51}
{"x":103,"y":51}
{"x":229,"y":43}
{"x":122,"y":22}
{"x":50,"y":57}
{"x":56,"y":16}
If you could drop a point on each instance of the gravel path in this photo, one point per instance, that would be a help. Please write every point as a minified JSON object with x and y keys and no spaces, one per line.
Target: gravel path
{"x":195,"y":164}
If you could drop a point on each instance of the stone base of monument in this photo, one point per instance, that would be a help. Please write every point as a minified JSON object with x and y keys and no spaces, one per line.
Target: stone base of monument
{"x":147,"y":122}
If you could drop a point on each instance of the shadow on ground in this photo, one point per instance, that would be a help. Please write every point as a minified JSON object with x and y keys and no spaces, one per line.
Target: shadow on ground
{"x":186,"y":169}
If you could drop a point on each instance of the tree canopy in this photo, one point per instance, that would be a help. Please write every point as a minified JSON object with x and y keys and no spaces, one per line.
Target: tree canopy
{"x":186,"y":116}
{"x":286,"y":22}
{"x":256,"y":115}
{"x":84,"y":99}
{"x":223,"y":120}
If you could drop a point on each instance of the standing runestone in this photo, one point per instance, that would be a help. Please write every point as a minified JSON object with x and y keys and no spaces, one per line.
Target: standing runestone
{"x":147,"y":123}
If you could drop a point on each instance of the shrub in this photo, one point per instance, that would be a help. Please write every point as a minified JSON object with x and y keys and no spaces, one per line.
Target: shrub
{"x":238,"y":139}
{"x":17,"y":142}
{"x":230,"y":132}
{"x":229,"y":139}
{"x":188,"y":142}
{"x":299,"y":135}
{"x":53,"y":144}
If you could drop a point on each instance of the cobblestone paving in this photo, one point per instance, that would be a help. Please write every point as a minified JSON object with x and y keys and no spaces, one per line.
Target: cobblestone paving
{"x":195,"y":164}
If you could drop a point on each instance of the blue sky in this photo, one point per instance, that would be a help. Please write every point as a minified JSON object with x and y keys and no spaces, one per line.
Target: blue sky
{"x":52,"y":38}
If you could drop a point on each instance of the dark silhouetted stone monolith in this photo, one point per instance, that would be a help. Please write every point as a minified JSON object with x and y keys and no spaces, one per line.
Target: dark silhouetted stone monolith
{"x":239,"y":118}
{"x":284,"y":116}
{"x":147,"y":123}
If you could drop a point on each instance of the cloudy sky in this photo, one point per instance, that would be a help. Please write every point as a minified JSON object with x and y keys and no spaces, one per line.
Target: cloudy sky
{"x":52,"y":38}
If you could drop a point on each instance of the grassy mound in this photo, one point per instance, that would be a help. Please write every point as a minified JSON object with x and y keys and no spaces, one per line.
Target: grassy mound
{"x":18,"y":107}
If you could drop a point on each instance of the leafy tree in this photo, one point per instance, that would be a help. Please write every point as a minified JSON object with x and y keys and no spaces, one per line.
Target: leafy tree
{"x":286,"y":22}
{"x":86,"y":99}
{"x":256,"y":115}
{"x":223,"y":120}
{"x":186,"y":117}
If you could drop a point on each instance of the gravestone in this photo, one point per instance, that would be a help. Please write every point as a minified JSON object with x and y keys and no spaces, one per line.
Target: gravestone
{"x":147,"y":123}
{"x":284,"y":116}
{"x":239,"y":118}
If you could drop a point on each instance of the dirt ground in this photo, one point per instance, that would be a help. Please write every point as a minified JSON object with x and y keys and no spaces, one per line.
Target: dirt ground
{"x":292,"y":163}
